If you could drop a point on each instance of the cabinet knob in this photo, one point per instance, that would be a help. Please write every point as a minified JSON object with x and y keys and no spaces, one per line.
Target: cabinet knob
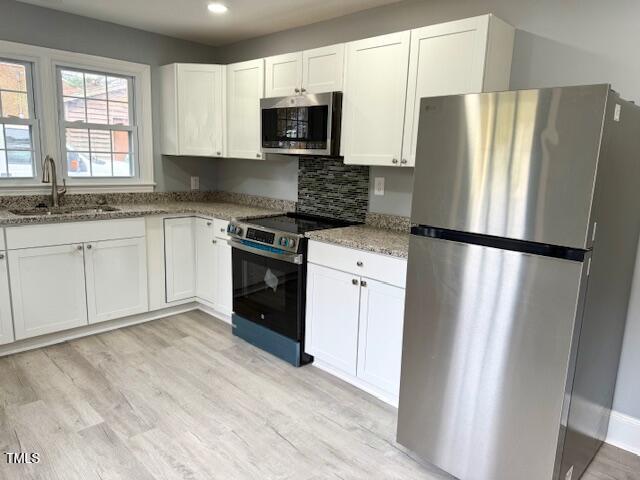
{"x":1,"y":256}
{"x":218,"y":153}
{"x":89,"y":247}
{"x":395,"y":160}
{"x":258,"y":155}
{"x":359,"y":263}
{"x":354,"y":281}
{"x":214,"y":241}
{"x":297,"y":90}
{"x":403,"y":161}
{"x":79,"y":247}
{"x":208,"y":224}
{"x":222,"y":230}
{"x":363,"y":283}
{"x":303,"y":90}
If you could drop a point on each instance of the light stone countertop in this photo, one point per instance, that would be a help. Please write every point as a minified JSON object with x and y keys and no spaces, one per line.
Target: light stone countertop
{"x":366,"y":237}
{"x":221,"y":210}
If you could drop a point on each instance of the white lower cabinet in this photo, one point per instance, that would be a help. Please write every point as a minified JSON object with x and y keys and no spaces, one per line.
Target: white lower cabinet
{"x":333,"y":302}
{"x":116,"y":274}
{"x":354,"y":323}
{"x":6,"y":321}
{"x":380,"y":337}
{"x":180,"y":258}
{"x":48,"y":289}
{"x":224,"y":300}
{"x":206,"y":261}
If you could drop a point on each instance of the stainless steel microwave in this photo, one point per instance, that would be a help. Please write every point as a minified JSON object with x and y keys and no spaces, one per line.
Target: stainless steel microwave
{"x":302,"y":124}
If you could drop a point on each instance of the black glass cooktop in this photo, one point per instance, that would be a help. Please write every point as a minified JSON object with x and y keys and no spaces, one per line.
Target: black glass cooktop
{"x":299,"y":223}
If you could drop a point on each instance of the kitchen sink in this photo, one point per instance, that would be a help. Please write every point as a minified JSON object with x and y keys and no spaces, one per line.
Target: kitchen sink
{"x":63,"y":210}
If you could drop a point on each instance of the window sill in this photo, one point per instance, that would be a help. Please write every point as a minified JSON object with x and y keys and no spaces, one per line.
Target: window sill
{"x":40,"y":188}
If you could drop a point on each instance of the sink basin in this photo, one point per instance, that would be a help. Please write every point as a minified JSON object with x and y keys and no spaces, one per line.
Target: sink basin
{"x":63,"y":210}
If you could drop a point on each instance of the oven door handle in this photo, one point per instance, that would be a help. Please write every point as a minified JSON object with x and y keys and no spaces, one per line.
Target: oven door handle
{"x":285,"y":257}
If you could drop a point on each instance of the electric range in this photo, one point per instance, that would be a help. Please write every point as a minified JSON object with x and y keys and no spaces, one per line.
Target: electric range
{"x":269,"y":281}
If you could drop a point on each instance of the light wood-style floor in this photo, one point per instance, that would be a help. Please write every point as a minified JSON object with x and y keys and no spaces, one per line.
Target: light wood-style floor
{"x":181,"y":398}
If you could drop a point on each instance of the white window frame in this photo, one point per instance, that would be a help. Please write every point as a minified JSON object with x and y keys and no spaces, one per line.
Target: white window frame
{"x":45,"y":63}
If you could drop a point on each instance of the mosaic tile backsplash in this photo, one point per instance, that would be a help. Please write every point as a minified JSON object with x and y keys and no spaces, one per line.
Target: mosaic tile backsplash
{"x":328,"y":187}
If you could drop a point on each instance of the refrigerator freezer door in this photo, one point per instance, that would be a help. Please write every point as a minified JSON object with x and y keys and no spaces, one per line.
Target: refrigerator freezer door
{"x":517,"y":164}
{"x":487,"y":342}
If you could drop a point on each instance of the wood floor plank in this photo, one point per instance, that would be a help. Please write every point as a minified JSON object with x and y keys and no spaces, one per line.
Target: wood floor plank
{"x":183,"y":399}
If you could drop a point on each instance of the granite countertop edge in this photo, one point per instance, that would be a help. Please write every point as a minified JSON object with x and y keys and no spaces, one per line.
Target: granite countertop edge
{"x":366,"y":237}
{"x":219,"y":210}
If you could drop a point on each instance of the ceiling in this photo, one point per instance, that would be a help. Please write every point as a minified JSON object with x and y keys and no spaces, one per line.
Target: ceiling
{"x":190,"y":19}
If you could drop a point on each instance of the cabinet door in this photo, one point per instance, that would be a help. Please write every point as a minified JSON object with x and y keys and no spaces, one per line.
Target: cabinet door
{"x":116,"y":272}
{"x":6,"y":322}
{"x":380,"y":338}
{"x":332,"y":317}
{"x":206,"y":260}
{"x":283,"y":75}
{"x":200,"y":109}
{"x":180,"y":258}
{"x":47,"y":289}
{"x":245,"y":88}
{"x":374,"y":99}
{"x":224,"y":292}
{"x":323,"y":69}
{"x":446,"y":59}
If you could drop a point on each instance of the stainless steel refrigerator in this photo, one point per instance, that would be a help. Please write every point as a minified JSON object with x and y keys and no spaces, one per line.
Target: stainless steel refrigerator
{"x":527,"y":206}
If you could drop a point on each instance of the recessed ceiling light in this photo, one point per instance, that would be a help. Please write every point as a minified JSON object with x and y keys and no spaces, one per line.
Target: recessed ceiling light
{"x":217,"y":8}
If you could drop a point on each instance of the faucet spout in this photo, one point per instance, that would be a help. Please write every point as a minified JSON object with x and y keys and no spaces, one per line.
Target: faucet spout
{"x":49,"y":175}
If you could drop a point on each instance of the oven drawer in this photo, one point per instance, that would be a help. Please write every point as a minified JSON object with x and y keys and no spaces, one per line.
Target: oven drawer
{"x":391,"y":270}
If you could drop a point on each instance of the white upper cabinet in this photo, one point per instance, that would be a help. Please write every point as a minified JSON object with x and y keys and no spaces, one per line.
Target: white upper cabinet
{"x":384,"y":83}
{"x":374,"y":99}
{"x":6,"y":323}
{"x":283,"y":75}
{"x":323,"y":69}
{"x":313,"y":71}
{"x":245,"y":88}
{"x":193,"y":110}
{"x":466,"y":56}
{"x":116,"y":273}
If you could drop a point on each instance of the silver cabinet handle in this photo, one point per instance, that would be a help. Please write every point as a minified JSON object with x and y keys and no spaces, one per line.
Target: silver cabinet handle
{"x":395,"y":160}
{"x":354,"y":281}
{"x":1,"y":256}
{"x":359,"y":263}
{"x":208,"y":224}
{"x":403,"y":161}
{"x":363,"y":283}
{"x":89,"y":247}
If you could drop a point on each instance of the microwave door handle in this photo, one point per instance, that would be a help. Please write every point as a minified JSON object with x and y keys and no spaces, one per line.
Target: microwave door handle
{"x":285,"y":257}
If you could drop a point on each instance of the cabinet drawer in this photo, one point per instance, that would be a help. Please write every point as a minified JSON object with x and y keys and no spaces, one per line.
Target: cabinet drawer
{"x":73,"y":232}
{"x":220,"y":228}
{"x":384,"y":268}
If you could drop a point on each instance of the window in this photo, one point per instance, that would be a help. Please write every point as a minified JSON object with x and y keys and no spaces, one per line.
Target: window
{"x":97,"y":121}
{"x":17,"y":121}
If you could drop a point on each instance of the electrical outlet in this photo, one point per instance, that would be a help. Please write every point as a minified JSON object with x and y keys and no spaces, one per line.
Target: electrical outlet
{"x":378,"y":186}
{"x":195,"y":183}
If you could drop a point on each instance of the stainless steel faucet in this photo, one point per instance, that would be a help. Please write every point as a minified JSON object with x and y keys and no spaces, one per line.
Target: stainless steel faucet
{"x":49,"y":174}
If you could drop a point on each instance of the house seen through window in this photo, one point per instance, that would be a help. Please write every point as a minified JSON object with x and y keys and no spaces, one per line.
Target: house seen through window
{"x":98,"y":125}
{"x":17,"y":120}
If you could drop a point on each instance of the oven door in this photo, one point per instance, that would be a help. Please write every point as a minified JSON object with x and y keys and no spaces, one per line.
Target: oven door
{"x":269,"y":290}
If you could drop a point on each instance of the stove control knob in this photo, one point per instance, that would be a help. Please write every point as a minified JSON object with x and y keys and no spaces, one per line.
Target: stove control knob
{"x":237,"y":230}
{"x":291,"y":243}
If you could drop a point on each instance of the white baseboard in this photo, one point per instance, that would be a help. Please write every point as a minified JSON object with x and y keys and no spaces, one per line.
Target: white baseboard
{"x":214,"y":311}
{"x":65,"y":335}
{"x":357,"y":382}
{"x":624,"y":432}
